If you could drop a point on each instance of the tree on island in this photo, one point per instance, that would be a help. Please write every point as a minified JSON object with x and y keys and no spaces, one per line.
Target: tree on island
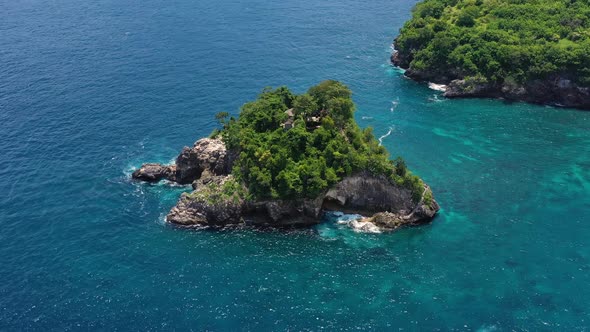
{"x":503,"y":42}
{"x":323,"y":144}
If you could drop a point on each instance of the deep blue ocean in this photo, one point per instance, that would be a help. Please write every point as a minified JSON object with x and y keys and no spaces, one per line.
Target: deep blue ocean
{"x":89,"y":90}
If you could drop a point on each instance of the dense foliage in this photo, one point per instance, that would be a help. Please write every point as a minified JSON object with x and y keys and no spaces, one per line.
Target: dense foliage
{"x":295,"y":146}
{"x":499,"y":41}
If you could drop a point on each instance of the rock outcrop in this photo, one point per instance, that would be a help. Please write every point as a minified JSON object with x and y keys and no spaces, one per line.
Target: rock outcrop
{"x":219,"y":200}
{"x":557,"y":90}
{"x":366,"y":194}
{"x":208,"y":157}
{"x":389,"y":206}
{"x":205,"y":208}
{"x":154,"y":172}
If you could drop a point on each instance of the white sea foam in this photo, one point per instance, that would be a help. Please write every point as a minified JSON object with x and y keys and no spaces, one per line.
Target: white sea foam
{"x":174,"y":184}
{"x":394,"y":105}
{"x":488,"y":328}
{"x":396,"y":69}
{"x":435,"y":99}
{"x":127,"y":171}
{"x":161,"y":219}
{"x":384,"y":136}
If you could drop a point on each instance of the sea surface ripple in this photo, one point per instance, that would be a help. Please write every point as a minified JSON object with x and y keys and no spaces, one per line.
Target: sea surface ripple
{"x":91,"y":89}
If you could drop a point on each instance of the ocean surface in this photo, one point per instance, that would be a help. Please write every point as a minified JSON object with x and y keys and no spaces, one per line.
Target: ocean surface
{"x":89,"y":90}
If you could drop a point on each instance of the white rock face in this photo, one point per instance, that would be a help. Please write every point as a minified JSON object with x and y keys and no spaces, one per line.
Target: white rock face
{"x":364,"y":226}
{"x":207,"y":157}
{"x":437,"y":87}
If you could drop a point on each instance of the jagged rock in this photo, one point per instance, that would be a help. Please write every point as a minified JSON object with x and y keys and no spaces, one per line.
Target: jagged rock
{"x":207,"y":205}
{"x":471,"y":88}
{"x":207,"y":166}
{"x":208,"y":209}
{"x":388,"y":220}
{"x":557,"y":90}
{"x":206,"y":178}
{"x":366,"y":194}
{"x":364,"y":226}
{"x":207,"y":154}
{"x":192,"y":210}
{"x":208,"y":157}
{"x":155,"y":172}
{"x":361,"y":194}
{"x":282,"y":213}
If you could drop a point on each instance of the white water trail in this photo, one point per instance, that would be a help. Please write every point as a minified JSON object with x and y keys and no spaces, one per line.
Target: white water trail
{"x":394,"y":105}
{"x":384,"y":136}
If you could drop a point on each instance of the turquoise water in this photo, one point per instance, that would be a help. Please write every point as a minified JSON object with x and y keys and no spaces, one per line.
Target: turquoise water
{"x":90,"y":90}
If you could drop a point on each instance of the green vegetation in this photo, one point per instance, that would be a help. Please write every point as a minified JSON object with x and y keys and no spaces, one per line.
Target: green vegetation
{"x":231,"y":191}
{"x":428,"y":198}
{"x":295,"y":146}
{"x":499,"y":41}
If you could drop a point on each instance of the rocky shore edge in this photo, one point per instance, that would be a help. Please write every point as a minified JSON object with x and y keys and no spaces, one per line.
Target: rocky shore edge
{"x":218,"y":200}
{"x":557,"y":90}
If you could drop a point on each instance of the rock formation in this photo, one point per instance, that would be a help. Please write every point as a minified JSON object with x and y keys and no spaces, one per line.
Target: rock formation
{"x":154,"y":172}
{"x":207,"y":166}
{"x":208,"y":157}
{"x":556,"y":90}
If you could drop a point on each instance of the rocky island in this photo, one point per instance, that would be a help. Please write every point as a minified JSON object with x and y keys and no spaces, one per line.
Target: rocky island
{"x":533,"y":51}
{"x":285,"y":160}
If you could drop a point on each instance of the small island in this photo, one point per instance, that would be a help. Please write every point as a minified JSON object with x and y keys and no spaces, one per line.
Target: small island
{"x":285,"y":160}
{"x":533,"y":51}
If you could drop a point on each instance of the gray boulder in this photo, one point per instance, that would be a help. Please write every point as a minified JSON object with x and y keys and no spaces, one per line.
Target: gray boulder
{"x":155,"y":172}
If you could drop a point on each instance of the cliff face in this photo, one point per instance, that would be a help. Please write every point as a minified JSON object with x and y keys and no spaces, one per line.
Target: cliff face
{"x":207,"y":166}
{"x":367,"y":194}
{"x":198,"y":208}
{"x":375,"y":196}
{"x":206,"y":158}
{"x":558,"y":90}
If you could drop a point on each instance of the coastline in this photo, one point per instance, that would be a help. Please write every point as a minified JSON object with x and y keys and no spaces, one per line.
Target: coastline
{"x":386,"y":206}
{"x":556,"y":91}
